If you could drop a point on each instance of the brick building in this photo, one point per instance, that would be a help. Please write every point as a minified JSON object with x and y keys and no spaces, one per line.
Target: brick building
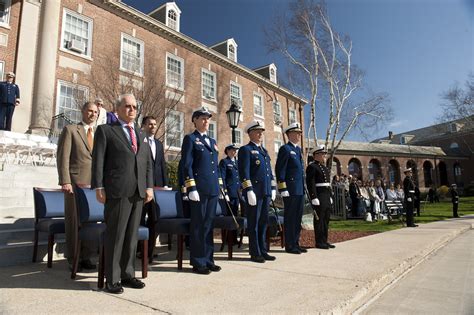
{"x":56,"y":46}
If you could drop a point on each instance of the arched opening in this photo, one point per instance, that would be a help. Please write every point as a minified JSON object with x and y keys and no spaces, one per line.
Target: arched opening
{"x":394,"y":172}
{"x":355,"y":168}
{"x":443,"y":173}
{"x":375,"y":169}
{"x":412,"y":164}
{"x":457,"y":173}
{"x":428,"y":173}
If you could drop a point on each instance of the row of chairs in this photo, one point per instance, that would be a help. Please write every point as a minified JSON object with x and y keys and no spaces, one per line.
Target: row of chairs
{"x":49,"y":214}
{"x":20,"y":148}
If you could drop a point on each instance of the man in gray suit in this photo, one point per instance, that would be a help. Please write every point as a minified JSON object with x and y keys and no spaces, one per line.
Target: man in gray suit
{"x":74,"y":161}
{"x":123,"y":178}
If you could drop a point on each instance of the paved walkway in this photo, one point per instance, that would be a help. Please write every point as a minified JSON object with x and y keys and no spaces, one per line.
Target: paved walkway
{"x":338,"y":281}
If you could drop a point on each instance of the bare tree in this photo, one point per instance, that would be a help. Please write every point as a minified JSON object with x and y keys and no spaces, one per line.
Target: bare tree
{"x":458,"y":103}
{"x":320,"y":67}
{"x":148,"y":85}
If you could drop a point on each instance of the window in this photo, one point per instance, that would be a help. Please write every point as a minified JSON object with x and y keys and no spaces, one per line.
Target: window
{"x":208,"y":80}
{"x":174,"y":129}
{"x":403,"y":140}
{"x":212,"y":132}
{"x":292,"y":116}
{"x":232,"y":53}
{"x":236,"y":93}
{"x":454,"y":146}
{"x":77,"y":33}
{"x":174,"y":71}
{"x":172,"y":20}
{"x":2,"y":69}
{"x":131,"y":55}
{"x":70,"y":99}
{"x":238,"y":137}
{"x":453,"y":127}
{"x":273,"y":75}
{"x":258,"y":105}
{"x":457,"y":170}
{"x":5,"y":12}
{"x":277,"y":118}
{"x":277,"y":143}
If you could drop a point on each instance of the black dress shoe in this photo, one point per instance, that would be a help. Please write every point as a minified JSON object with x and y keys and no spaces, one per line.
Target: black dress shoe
{"x":114,"y":288}
{"x":303,"y":250}
{"x":331,"y":245}
{"x":214,"y":268}
{"x":293,"y":251}
{"x":322,"y":246}
{"x":268,"y":257}
{"x":133,"y":283}
{"x":87,"y":265}
{"x":201,"y":270}
{"x":258,"y":259}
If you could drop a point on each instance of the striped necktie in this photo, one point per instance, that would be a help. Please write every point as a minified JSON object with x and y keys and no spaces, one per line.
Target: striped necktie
{"x":133,"y":138}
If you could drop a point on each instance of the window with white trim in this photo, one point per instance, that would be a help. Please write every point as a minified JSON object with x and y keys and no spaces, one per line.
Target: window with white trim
{"x":292,"y":116}
{"x":208,"y":82}
{"x":69,"y":101}
{"x":277,"y":143}
{"x":173,"y":20}
{"x":174,"y":124}
{"x":2,"y":69}
{"x":232,"y":53}
{"x":131,"y":54}
{"x":174,"y":71}
{"x":277,"y":117}
{"x":212,"y":131}
{"x":5,"y":6}
{"x":258,"y":105}
{"x":236,"y":93}
{"x":238,"y":137}
{"x":273,"y":75}
{"x":76,"y":33}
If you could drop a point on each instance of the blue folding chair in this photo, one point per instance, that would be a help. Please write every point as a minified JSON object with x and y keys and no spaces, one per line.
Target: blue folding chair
{"x":49,"y":217}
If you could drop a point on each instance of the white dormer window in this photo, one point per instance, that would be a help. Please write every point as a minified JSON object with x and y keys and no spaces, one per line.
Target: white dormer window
{"x":453,"y":127}
{"x":403,"y":140}
{"x":172,"y":19}
{"x":232,"y":53}
{"x":273,"y":73}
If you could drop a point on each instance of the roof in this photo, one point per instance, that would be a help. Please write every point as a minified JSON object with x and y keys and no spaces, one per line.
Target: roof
{"x":193,"y":44}
{"x":368,"y":148}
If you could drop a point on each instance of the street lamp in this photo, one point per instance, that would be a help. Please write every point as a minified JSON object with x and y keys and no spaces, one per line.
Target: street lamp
{"x":233,"y":117}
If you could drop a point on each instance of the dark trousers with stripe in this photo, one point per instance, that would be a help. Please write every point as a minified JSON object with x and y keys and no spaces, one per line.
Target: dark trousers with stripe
{"x":292,"y":220}
{"x":409,"y":212}
{"x":257,"y":221}
{"x":6,"y":115}
{"x":201,"y":228}
{"x":321,"y":226}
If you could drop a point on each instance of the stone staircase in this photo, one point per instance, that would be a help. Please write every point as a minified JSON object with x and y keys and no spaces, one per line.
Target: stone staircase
{"x":17,"y":212}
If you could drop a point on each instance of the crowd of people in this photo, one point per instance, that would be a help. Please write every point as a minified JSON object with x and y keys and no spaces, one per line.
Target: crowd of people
{"x":124,"y":162}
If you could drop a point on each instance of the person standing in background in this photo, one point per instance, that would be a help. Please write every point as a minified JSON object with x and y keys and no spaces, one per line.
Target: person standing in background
{"x":9,"y":98}
{"x":102,"y":117}
{"x":454,"y":199}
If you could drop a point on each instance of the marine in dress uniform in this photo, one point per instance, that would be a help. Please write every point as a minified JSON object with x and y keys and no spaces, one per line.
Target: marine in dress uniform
{"x":289,"y":171}
{"x":454,"y":199}
{"x":200,"y":169}
{"x":319,"y":188}
{"x":230,"y":176}
{"x":258,"y":187}
{"x":409,"y":191}
{"x":9,"y":98}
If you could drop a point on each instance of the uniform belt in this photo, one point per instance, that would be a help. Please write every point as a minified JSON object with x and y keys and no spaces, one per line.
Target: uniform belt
{"x":323,"y":185}
{"x":411,"y":191}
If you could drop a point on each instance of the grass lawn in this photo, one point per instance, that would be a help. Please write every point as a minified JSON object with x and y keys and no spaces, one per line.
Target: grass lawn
{"x":429,"y":213}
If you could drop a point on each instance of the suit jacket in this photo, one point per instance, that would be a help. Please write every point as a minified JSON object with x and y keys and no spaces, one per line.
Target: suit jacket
{"x":116,"y":167}
{"x":74,"y":157}
{"x":289,"y":170}
{"x":9,"y":92}
{"x":111,"y":118}
{"x":160,"y":176}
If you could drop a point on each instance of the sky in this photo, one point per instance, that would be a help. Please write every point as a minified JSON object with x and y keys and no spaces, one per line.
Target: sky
{"x":414,"y":50}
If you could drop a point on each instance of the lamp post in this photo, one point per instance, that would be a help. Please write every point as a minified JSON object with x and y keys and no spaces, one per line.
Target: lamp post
{"x":233,"y":117}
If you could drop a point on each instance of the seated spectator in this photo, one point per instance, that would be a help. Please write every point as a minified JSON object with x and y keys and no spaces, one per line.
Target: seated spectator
{"x":400,"y":193}
{"x":391,"y":193}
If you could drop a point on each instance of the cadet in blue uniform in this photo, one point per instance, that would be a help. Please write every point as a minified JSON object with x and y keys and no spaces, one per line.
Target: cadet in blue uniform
{"x":290,"y":178}
{"x":230,"y":176}
{"x":258,"y":187}
{"x":9,"y":98}
{"x":319,"y":188}
{"x":201,"y":178}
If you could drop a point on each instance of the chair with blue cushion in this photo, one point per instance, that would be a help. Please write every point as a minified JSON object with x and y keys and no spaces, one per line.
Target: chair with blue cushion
{"x":49,"y":217}
{"x":226,"y":223}
{"x":275,"y":222}
{"x":168,"y":207}
{"x":92,"y":228}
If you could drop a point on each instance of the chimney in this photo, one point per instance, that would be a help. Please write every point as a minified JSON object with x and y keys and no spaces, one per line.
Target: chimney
{"x":390,"y":135}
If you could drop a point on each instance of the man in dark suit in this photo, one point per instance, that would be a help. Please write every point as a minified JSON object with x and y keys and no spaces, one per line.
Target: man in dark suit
{"x":9,"y":98}
{"x":160,"y":178}
{"x":74,"y":162}
{"x":123,"y":178}
{"x":354,"y":193}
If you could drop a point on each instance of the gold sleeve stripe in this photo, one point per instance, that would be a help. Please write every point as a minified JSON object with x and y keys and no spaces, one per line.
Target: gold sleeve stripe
{"x":221,"y":182}
{"x":282,"y":185}
{"x":246,"y":184}
{"x":190,"y":183}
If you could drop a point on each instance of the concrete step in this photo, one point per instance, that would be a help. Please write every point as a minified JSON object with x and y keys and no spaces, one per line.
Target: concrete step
{"x":9,"y":223}
{"x":13,"y":213}
{"x":12,"y":236}
{"x":21,"y":253}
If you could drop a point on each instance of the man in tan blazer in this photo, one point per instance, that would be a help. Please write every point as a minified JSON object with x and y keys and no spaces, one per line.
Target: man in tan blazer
{"x":74,"y":162}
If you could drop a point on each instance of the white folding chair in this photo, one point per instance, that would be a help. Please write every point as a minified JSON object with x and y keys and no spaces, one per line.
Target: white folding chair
{"x":5,"y":147}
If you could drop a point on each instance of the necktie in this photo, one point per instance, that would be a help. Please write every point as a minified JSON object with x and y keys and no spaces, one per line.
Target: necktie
{"x":133,"y":138}
{"x":90,"y":139}
{"x":206,"y":138}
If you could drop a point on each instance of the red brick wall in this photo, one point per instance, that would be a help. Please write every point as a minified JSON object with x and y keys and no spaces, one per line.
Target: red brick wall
{"x":8,"y":53}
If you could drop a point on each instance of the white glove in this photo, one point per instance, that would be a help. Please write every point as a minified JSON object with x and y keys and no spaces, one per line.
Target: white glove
{"x":285,"y":193}
{"x":274,"y":194}
{"x":315,"y":202}
{"x":193,"y":195}
{"x":221,"y":197}
{"x":227,"y":198}
{"x":330,"y":198}
{"x":409,"y":199}
{"x":251,"y":198}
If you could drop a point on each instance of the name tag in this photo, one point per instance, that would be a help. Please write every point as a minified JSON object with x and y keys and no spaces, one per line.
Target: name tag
{"x":293,"y":152}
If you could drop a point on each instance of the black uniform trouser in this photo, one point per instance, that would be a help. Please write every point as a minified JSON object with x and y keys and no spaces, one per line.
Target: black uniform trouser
{"x":203,"y":213}
{"x":292,"y":220}
{"x":321,"y":226}
{"x":409,"y":212}
{"x":455,"y":209}
{"x":6,"y":115}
